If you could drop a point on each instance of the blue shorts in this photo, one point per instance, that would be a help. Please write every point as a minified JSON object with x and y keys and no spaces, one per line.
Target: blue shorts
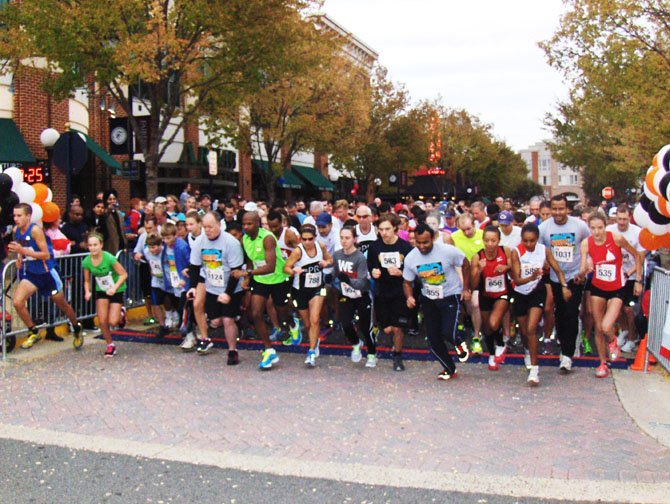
{"x":158,"y":296}
{"x":48,"y":284}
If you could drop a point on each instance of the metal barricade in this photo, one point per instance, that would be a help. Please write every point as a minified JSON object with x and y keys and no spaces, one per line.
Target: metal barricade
{"x":659,"y":308}
{"x":45,"y":311}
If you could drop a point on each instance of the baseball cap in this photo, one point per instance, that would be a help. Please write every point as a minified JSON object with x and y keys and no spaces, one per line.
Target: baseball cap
{"x":449,"y":215}
{"x":250,"y":206}
{"x":323,"y":219}
{"x":398,"y":207}
{"x":612,"y":212}
{"x":160,"y":199}
{"x":505,"y":218}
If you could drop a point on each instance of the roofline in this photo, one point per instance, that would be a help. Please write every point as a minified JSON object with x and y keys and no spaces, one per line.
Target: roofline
{"x":347,"y":33}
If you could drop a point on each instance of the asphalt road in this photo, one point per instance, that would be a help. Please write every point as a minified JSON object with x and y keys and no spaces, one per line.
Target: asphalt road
{"x":38,"y":474}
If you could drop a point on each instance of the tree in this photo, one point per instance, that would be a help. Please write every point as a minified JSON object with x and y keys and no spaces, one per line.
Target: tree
{"x":180,"y":51}
{"x":616,"y":56}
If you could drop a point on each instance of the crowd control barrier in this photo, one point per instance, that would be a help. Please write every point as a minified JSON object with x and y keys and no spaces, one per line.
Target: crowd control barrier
{"x":44,"y":311}
{"x":658,"y":338}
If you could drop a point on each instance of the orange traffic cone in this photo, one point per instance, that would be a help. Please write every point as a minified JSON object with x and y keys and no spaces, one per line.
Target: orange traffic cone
{"x":638,"y":365}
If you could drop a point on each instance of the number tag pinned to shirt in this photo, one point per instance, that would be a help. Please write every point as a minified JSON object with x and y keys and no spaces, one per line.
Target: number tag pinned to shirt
{"x":105,"y":282}
{"x":215,"y":277}
{"x":563,"y":254}
{"x":433,"y":291}
{"x":313,"y":280}
{"x":390,"y":259}
{"x":606,"y":272}
{"x":156,"y":268}
{"x":349,"y":291}
{"x":495,"y":284}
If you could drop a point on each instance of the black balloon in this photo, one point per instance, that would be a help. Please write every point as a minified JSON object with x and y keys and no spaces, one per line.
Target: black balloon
{"x":7,"y":205}
{"x":5,"y":185}
{"x":656,"y":217}
{"x":665,"y":162}
{"x":663,"y":185}
{"x":645,"y":202}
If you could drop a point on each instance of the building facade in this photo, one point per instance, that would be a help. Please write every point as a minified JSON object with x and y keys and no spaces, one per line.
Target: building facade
{"x":554,"y":177}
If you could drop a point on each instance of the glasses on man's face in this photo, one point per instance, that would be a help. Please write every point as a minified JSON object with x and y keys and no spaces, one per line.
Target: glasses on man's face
{"x":307,"y":239}
{"x":366,"y":216}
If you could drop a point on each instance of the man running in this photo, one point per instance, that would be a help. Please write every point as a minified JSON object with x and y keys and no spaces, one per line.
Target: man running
{"x":37,"y":273}
{"x":365,"y":231}
{"x":563,"y":236}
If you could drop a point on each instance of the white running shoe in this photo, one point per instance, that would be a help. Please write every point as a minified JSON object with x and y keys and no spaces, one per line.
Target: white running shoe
{"x":356,"y":355}
{"x":566,"y":364}
{"x":621,"y":338}
{"x":526,"y":359}
{"x":628,"y":346}
{"x":189,"y":342}
{"x":534,"y":376}
{"x":372,"y":361}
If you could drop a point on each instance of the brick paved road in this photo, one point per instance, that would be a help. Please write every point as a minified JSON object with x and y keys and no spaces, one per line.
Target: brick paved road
{"x":483,"y":423}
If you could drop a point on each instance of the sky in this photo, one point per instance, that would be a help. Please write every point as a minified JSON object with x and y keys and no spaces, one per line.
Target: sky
{"x":480,"y":55}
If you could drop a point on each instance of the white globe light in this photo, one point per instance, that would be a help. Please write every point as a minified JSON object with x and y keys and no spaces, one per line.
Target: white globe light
{"x":49,"y":137}
{"x":378,"y":181}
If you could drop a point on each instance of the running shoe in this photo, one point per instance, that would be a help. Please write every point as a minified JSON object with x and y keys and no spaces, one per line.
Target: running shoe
{"x":32,"y":339}
{"x":444,"y":375}
{"x":163,"y":331}
{"x":398,"y":364}
{"x":233,"y":358}
{"x":189,"y":343}
{"x":493,"y":365}
{"x":204,"y":346}
{"x":78,"y":336}
{"x":602,"y":371}
{"x":586,"y":344}
{"x":477,"y":346}
{"x":317,"y":352}
{"x":371,"y":361}
{"x":124,"y":317}
{"x":614,"y":350}
{"x":462,"y":351}
{"x":295,"y":332}
{"x":534,"y":376}
{"x":629,"y":346}
{"x":566,"y":364}
{"x":622,"y":337}
{"x":311,"y":358}
{"x":356,"y":355}
{"x":268,"y":358}
{"x":526,"y":359}
{"x":501,"y":353}
{"x":111,"y":351}
{"x":276,"y":334}
{"x":149,"y":321}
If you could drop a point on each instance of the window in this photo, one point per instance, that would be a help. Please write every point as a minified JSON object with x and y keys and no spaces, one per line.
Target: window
{"x":544,"y":180}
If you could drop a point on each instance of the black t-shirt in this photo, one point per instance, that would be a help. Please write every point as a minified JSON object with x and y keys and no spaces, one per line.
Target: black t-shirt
{"x":382,"y":256}
{"x":76,"y":233}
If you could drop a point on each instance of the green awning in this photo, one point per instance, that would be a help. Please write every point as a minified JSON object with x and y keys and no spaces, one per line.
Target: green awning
{"x":314,"y":177}
{"x":187,"y":154}
{"x":290,"y":180}
{"x":260,"y":164}
{"x":96,"y":149}
{"x":13,"y":148}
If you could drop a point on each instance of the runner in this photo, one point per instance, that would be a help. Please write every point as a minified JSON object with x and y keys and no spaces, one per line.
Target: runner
{"x":442,"y":290}
{"x":37,"y":273}
{"x":563,"y":235}
{"x":530,"y":293}
{"x":350,"y":267}
{"x":604,"y":249}
{"x":110,"y":284}
{"x":365,"y":231}
{"x":265,"y":270}
{"x":489,"y":271}
{"x":306,"y":264}
{"x":386,"y":261}
{"x":214,"y":285}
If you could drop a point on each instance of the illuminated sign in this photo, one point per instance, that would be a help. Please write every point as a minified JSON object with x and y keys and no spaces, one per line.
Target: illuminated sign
{"x":36,"y":174}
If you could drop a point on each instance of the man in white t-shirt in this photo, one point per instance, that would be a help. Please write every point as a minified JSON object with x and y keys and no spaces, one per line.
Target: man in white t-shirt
{"x":510,"y":235}
{"x":631,"y":233}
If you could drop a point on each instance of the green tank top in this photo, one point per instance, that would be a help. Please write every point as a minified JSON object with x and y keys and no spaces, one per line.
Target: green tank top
{"x":469,"y":246}
{"x":256,"y":254}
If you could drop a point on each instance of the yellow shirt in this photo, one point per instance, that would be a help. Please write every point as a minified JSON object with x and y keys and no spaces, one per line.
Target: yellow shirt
{"x":469,"y":246}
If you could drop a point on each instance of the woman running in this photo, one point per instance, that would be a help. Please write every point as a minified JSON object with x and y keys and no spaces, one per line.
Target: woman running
{"x":530,"y":293}
{"x":489,"y":271}
{"x":351,"y":269}
{"x":604,"y":248}
{"x":306,"y":264}
{"x":110,"y":284}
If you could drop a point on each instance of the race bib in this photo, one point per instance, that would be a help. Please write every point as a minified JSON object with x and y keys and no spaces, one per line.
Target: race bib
{"x":258,"y":264}
{"x":313,"y":280}
{"x":174,"y":279}
{"x":563,"y":254}
{"x":156,"y":268}
{"x":495,"y":284}
{"x":390,"y":259}
{"x":527,"y":270}
{"x":433,"y":291}
{"x":606,"y":272}
{"x":349,"y":291}
{"x":105,"y":282}
{"x":215,"y":277}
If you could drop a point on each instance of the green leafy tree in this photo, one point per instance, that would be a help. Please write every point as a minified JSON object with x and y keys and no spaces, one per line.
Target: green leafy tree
{"x":181,"y":51}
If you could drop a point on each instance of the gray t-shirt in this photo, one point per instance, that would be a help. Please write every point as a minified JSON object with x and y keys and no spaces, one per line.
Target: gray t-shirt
{"x":436,"y":270}
{"x":355,"y":267}
{"x":216,"y":259}
{"x":564,"y":242}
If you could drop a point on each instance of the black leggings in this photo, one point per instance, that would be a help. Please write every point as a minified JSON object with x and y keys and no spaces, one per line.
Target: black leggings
{"x":567,"y":316}
{"x":494,"y":339}
{"x":441,"y":319}
{"x":362,"y":307}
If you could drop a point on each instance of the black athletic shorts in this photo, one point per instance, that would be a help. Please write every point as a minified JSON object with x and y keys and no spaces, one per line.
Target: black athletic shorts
{"x":391,"y":311}
{"x":524,"y":302}
{"x":116,"y":298}
{"x":280,"y":292}
{"x":486,"y":303}
{"x":628,"y":293}
{"x":607,"y":295}
{"x":215,"y":310}
{"x":302,"y":297}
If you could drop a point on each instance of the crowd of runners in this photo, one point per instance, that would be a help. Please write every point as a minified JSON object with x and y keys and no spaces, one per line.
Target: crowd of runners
{"x":474,"y":277}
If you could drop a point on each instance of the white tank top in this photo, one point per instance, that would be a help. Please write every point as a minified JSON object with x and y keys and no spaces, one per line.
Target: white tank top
{"x":364,"y":240}
{"x":530,"y":261}
{"x":285,"y":249}
{"x":312,"y":277}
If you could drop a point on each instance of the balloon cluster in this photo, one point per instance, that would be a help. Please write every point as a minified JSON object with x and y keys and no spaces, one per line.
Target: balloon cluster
{"x":14,"y":190}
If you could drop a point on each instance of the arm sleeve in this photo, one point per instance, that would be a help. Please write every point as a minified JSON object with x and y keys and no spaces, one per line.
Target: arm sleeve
{"x":194,"y":277}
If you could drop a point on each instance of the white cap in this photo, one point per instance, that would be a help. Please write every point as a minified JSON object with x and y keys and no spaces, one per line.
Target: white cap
{"x":250,"y":206}
{"x":160,"y":199}
{"x":612,"y":212}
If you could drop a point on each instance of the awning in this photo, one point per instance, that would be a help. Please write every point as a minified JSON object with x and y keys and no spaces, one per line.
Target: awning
{"x":430,"y":185}
{"x":96,"y":149}
{"x":260,"y":164}
{"x":290,"y":180}
{"x":314,"y":177}
{"x":13,"y":148}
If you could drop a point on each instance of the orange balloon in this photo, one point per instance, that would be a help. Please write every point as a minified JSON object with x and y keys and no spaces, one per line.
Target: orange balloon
{"x":649,"y":180}
{"x":648,"y":240}
{"x":41,"y":193}
{"x":654,"y":161}
{"x":50,"y":212}
{"x":663,"y":240}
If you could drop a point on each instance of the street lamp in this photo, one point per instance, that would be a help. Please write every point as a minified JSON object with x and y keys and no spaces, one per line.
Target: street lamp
{"x":49,"y":137}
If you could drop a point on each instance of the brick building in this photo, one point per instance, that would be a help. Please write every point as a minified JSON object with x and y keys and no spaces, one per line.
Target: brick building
{"x":554,"y":177}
